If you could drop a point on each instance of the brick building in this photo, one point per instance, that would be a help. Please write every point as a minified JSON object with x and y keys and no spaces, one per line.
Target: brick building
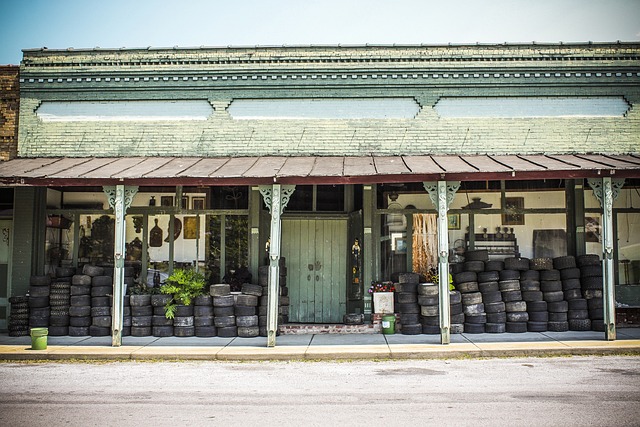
{"x":520,"y":150}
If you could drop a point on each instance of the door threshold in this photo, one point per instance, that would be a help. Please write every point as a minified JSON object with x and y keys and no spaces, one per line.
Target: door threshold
{"x":327,"y":328}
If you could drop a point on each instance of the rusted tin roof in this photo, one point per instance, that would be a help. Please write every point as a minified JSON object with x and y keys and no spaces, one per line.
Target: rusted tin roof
{"x":83,"y":171}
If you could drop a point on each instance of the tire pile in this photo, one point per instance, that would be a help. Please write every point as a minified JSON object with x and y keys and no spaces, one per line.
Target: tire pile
{"x":60,"y":301}
{"x":39,"y":308}
{"x":406,"y":303}
{"x":19,"y":318}
{"x":283,"y":297}
{"x":428,"y":300}
{"x":519,"y":295}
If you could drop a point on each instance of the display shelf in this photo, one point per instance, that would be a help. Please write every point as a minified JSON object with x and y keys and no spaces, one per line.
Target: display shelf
{"x":503,"y":245}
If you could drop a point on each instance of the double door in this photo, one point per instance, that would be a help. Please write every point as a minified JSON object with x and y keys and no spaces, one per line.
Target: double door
{"x":316,"y":256}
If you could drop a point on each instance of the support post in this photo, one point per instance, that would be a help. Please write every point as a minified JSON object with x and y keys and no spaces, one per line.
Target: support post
{"x":606,"y":191}
{"x":276,"y":198}
{"x":120,"y":198}
{"x":442,"y":194}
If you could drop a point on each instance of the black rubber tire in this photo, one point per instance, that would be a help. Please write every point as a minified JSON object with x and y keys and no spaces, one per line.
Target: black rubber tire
{"x":540,"y":264}
{"x":537,"y":326}
{"x":58,"y":331}
{"x":139,"y":300}
{"x":558,"y":306}
{"x":184,"y":331}
{"x":248,"y":331}
{"x":162,"y":331}
{"x":409,"y":278}
{"x":246,"y":321}
{"x":530,"y":275}
{"x":65,"y":272}
{"x":476,"y":266}
{"x":509,"y":285}
{"x":538,"y":316}
{"x":494,"y":265}
{"x":596,"y":314}
{"x":455,"y":309}
{"x":471,"y":298}
{"x":141,"y":321}
{"x":520,"y":264}
{"x":157,"y":320}
{"x":558,"y":326}
{"x":44,"y":280}
{"x":101,"y":321}
{"x":578,"y":304}
{"x":228,"y":331}
{"x":577,"y":315}
{"x":570,"y":284}
{"x":558,"y":317}
{"x":100,"y":301}
{"x":406,"y":308}
{"x":476,"y":255}
{"x":553,"y":296}
{"x":455,"y":297}
{"x":429,"y":310}
{"x":78,"y":331}
{"x":220,"y":290}
{"x":517,"y":316}
{"x":455,"y":268}
{"x":456,"y":328}
{"x":204,"y":300}
{"x":511,"y":296}
{"x":489,"y":297}
{"x":474,"y":328}
{"x":183,"y":321}
{"x":102,"y":281}
{"x":126,"y":321}
{"x":406,"y":297}
{"x":572,"y":294}
{"x":516,"y":327}
{"x":157,"y":311}
{"x":81,"y":280}
{"x":488,"y":287}
{"x":407,"y":287}
{"x":84,"y":321}
{"x":488,"y":276}
{"x":141,"y":331}
{"x":495,"y":328}
{"x":92,"y":270}
{"x":250,"y":289}
{"x":529,"y":285}
{"x":184,"y":310}
{"x":199,"y":321}
{"x":550,"y":285}
{"x":570,"y":273}
{"x":430,"y":320}
{"x":509,"y":275}
{"x":223,"y":301}
{"x":590,"y":271}
{"x":224,"y":321}
{"x":465,"y":276}
{"x":59,"y":320}
{"x":101,"y":291}
{"x":478,"y":318}
{"x":595,"y":303}
{"x":531,"y":296}
{"x":499,"y":317}
{"x":206,"y":331}
{"x":408,"y":318}
{"x":536,"y":306}
{"x":203,"y":310}
{"x":580,"y":325}
{"x":39,"y":291}
{"x":226,"y":311}
{"x":100,"y":311}
{"x":466,"y":287}
{"x":592,"y":293}
{"x":592,"y":282}
{"x":240,"y":310}
{"x":38,"y":302}
{"x":513,"y":306}
{"x":76,"y":290}
{"x":457,"y":318}
{"x":80,"y":311}
{"x":430,"y":329}
{"x":99,"y":331}
{"x":473,"y":310}
{"x":549,"y":275}
{"x":494,"y":307}
{"x":428,"y":289}
{"x":411,"y":329}
{"x":564,"y":262}
{"x":598,"y":326}
{"x":424,"y":300}
{"x":160,"y":300}
{"x":589,"y":259}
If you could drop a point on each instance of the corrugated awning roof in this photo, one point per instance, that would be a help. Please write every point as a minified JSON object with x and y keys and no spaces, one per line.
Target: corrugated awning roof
{"x":76,"y":171}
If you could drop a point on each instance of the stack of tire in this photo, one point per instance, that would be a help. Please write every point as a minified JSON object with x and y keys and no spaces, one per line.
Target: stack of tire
{"x":39,"y":309}
{"x":406,"y":303}
{"x":571,"y":288}
{"x":245,"y":310}
{"x":101,"y":300}
{"x":183,"y":321}
{"x":532,"y":288}
{"x":475,"y":317}
{"x":224,"y":318}
{"x":263,"y":300}
{"x":203,"y":317}
{"x":19,"y":316}
{"x":60,"y":299}
{"x":591,"y":283}
{"x":161,"y":326}
{"x":142,"y":315}
{"x":515,"y":306}
{"x":428,"y":300}
{"x":80,"y":305}
{"x":489,"y":287}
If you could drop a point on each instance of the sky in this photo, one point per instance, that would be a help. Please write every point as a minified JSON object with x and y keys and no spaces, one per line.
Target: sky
{"x":60,"y":24}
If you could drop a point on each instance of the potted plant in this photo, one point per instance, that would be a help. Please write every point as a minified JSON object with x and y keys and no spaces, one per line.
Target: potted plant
{"x":183,"y":286}
{"x":382,"y":293}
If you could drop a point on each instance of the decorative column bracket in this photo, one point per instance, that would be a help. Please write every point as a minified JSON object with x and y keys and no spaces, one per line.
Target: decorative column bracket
{"x":442,"y":194}
{"x":606,"y":190}
{"x":276,"y":197}
{"x":120,"y":198}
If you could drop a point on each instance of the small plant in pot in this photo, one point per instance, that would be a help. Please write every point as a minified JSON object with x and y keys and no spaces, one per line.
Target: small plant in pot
{"x":183,"y":286}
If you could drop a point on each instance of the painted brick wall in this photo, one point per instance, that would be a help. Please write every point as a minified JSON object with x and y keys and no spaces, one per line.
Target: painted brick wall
{"x":9,"y":103}
{"x":424,"y":73}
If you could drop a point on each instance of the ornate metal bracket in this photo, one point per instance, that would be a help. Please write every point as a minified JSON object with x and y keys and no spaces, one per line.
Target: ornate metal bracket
{"x":285,"y":194}
{"x":599,"y":189}
{"x":432,"y":189}
{"x":111,"y":192}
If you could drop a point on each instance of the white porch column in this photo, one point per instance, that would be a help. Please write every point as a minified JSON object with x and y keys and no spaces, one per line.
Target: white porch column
{"x":606,"y":191}
{"x":442,"y":194}
{"x":120,"y":198}
{"x":275,"y":198}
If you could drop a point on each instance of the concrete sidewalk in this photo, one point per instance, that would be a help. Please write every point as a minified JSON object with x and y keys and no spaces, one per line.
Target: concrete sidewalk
{"x":326,"y":347}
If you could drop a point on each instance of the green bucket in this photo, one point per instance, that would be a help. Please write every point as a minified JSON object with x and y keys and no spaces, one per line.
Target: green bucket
{"x":39,"y":338}
{"x":389,"y":324}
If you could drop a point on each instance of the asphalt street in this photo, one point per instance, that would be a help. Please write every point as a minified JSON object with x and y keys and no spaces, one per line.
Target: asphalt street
{"x":568,"y":391}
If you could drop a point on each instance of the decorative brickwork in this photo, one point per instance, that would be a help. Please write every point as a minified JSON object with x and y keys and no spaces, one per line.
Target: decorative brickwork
{"x":9,"y":106}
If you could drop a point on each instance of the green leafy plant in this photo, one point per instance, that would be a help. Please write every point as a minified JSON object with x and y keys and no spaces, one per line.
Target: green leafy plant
{"x":183,"y":286}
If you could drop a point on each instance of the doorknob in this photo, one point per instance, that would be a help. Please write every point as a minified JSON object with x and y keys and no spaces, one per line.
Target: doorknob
{"x":318,"y":265}
{"x":309,"y":278}
{"x":317,"y":278}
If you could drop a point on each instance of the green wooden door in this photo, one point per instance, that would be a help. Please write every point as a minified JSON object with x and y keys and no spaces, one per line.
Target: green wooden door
{"x":316,"y":254}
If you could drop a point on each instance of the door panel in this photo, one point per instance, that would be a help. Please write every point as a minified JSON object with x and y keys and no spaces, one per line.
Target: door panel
{"x":316,"y":264}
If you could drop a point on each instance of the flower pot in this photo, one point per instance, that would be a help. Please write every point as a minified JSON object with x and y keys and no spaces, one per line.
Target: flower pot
{"x":383,"y":302}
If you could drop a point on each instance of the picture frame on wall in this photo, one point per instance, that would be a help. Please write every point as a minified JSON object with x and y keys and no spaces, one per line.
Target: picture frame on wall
{"x":513,"y":204}
{"x":166,"y":201}
{"x":453,"y":221}
{"x":185,"y":202}
{"x":592,"y":229}
{"x":191,"y":227}
{"x":197,"y":203}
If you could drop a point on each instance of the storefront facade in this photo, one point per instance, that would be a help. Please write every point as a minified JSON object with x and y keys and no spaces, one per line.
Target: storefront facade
{"x":355,"y":164}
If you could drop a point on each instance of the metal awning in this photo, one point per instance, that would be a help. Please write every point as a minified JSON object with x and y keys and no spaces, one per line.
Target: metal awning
{"x":87,"y":171}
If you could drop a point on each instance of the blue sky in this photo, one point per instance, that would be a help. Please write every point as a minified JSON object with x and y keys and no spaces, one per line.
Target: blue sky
{"x":60,"y":24}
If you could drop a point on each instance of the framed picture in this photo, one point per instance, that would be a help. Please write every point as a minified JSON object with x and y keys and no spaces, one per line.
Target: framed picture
{"x":197,"y":203}
{"x":513,"y":204}
{"x":454,"y":221}
{"x":592,"y":229}
{"x":185,"y":202}
{"x":401,"y":245}
{"x":191,"y":227}
{"x":166,"y":200}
